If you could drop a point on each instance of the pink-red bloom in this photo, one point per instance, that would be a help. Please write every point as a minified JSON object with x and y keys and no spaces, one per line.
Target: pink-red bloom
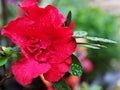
{"x":46,"y":45}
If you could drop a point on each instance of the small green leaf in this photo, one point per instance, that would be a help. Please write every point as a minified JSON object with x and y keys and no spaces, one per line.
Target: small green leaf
{"x":96,"y":88}
{"x":92,"y":46}
{"x":69,"y":16}
{"x":61,"y":85}
{"x":99,"y":45}
{"x":8,"y":50}
{"x":79,"y":34}
{"x":85,"y":86}
{"x":2,"y":52}
{"x":16,"y":49}
{"x":88,"y":46}
{"x":3,"y":60}
{"x":76,"y":68}
{"x":100,"y":39}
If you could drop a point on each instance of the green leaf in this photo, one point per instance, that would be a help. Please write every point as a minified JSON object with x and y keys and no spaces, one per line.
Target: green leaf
{"x":79,"y":34}
{"x":61,"y":85}
{"x":1,"y":52}
{"x":96,"y":88}
{"x":76,"y":68}
{"x":99,"y":45}
{"x":100,"y":39}
{"x":69,"y":16}
{"x":16,"y":49}
{"x":85,"y":86}
{"x":8,"y":50}
{"x":92,"y":46}
{"x":88,"y":46}
{"x":3,"y":60}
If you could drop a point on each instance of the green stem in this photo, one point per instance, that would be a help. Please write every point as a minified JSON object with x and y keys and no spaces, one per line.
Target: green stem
{"x":4,"y":69}
{"x":6,"y":75}
{"x":39,"y":1}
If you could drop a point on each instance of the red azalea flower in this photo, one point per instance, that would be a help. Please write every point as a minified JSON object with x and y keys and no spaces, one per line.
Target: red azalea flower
{"x":46,"y":45}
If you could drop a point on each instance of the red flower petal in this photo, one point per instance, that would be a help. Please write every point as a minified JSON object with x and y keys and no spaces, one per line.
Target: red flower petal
{"x":18,"y":30}
{"x":57,"y":19}
{"x":30,"y":7}
{"x":25,"y":70}
{"x":49,"y":13}
{"x":27,"y":3}
{"x":57,"y":71}
{"x":63,"y":50}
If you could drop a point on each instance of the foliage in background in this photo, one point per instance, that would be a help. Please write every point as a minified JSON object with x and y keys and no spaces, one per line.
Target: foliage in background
{"x":10,"y":12}
{"x":100,"y":24}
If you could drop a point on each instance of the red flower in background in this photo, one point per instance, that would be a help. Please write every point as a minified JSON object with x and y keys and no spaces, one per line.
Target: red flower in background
{"x":87,"y":65}
{"x":46,"y":45}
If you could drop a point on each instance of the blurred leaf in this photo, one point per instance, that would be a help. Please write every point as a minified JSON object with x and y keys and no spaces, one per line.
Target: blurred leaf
{"x":16,"y":49}
{"x":79,"y":34}
{"x":1,"y":52}
{"x":76,"y":68}
{"x":16,"y":56}
{"x":69,"y":16}
{"x":94,"y":46}
{"x":8,"y":50}
{"x":99,"y":45}
{"x":85,"y":86}
{"x":61,"y":85}
{"x":96,"y":88}
{"x":100,"y":39}
{"x":88,"y":45}
{"x":3,"y":60}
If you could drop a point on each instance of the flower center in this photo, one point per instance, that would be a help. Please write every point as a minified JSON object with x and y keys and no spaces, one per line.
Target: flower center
{"x":39,"y":49}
